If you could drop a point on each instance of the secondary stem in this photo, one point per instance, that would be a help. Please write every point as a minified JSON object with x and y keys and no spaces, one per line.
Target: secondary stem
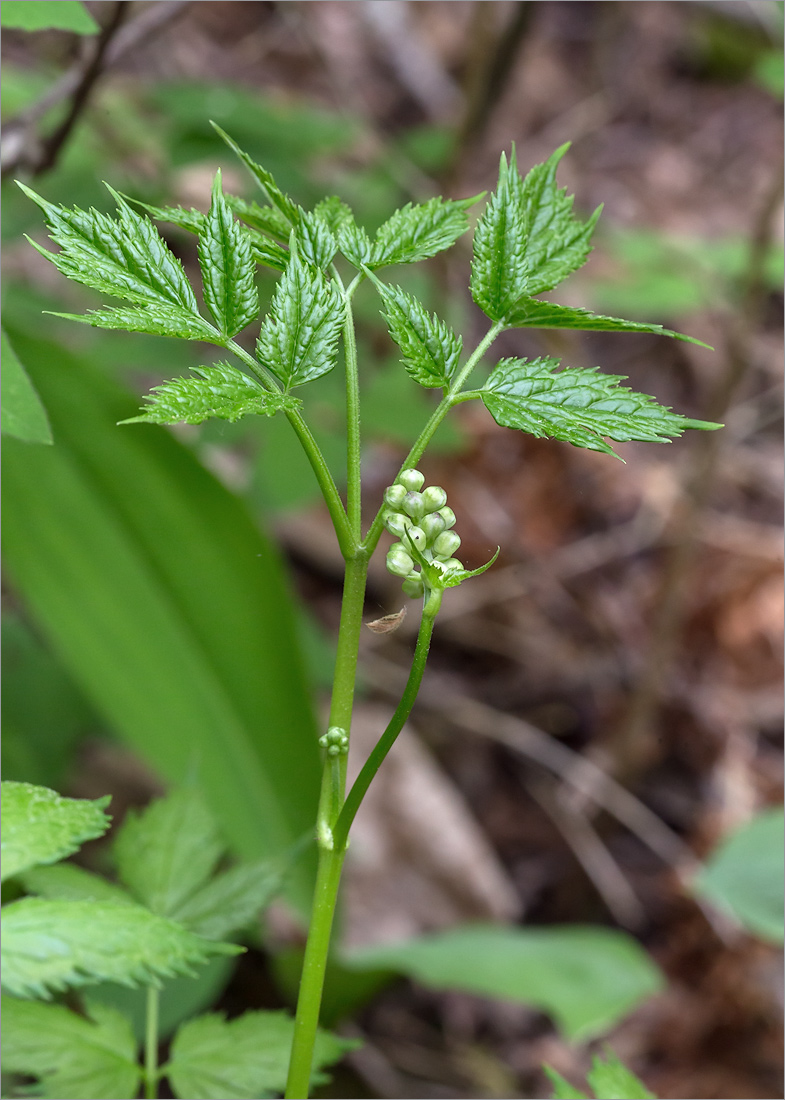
{"x":151,"y":1044}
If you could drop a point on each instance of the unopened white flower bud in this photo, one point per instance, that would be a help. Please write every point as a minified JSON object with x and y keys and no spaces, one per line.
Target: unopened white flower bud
{"x":452,"y":565}
{"x":394,"y":496}
{"x":446,"y":544}
{"x":448,"y":516}
{"x":415,"y":536}
{"x":432,"y":525}
{"x":413,"y":505}
{"x":399,"y":563}
{"x":396,"y":523}
{"x":434,"y":498}
{"x":411,"y":480}
{"x":413,"y":586}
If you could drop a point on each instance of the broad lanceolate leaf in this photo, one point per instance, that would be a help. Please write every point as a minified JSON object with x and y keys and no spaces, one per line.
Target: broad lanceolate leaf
{"x":123,"y":257}
{"x":429,"y":347}
{"x":577,"y":406}
{"x":418,"y":231}
{"x":69,"y":882}
{"x":21,"y":412}
{"x":528,"y":239}
{"x":231,"y":900}
{"x":533,"y":313}
{"x":585,"y":977}
{"x":316,"y":241}
{"x":40,"y":826}
{"x":221,"y":391}
{"x":227,"y":267}
{"x":51,"y":945}
{"x":65,"y":15}
{"x":299,"y":338}
{"x":245,"y":1058}
{"x":75,"y":1058}
{"x":168,"y":850}
{"x":285,"y":205}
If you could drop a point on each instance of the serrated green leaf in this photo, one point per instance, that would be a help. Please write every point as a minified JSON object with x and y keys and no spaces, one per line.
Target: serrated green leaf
{"x":64,"y":15}
{"x":156,"y":319}
{"x":429,"y":347}
{"x":458,"y":576}
{"x":299,"y":338}
{"x":75,"y":1058}
{"x":334,"y":212}
{"x":123,"y":257}
{"x":577,"y":406}
{"x":231,"y":900}
{"x":354,"y":243}
{"x":528,"y":239}
{"x":316,"y":241}
{"x":245,"y":1058}
{"x":611,"y":1080}
{"x":227,"y":267}
{"x":52,"y":945}
{"x":192,"y":220}
{"x":533,"y":313}
{"x":285,"y":205}
{"x":69,"y":882}
{"x":22,"y":414}
{"x":166,"y":852}
{"x":221,"y":391}
{"x":266,"y":219}
{"x":585,"y":977}
{"x":418,"y":231}
{"x":40,"y":826}
{"x":562,"y":1089}
{"x":744,"y":875}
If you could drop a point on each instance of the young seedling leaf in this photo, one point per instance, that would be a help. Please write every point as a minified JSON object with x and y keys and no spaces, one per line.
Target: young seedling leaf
{"x":21,"y":412}
{"x":244,"y":1058}
{"x":168,"y":851}
{"x":64,"y":15}
{"x":299,"y":338}
{"x":418,"y":231}
{"x":51,"y":945}
{"x":581,"y":407}
{"x":585,"y":977}
{"x":69,"y":882}
{"x":231,"y":900}
{"x":156,"y":319}
{"x":285,"y":205}
{"x":316,"y":241}
{"x":220,"y":391}
{"x":429,"y":347}
{"x":227,"y":267}
{"x":533,"y":313}
{"x":611,"y":1080}
{"x":562,"y":1089}
{"x":92,"y":1057}
{"x":528,"y":239}
{"x":123,"y":257}
{"x":40,"y":826}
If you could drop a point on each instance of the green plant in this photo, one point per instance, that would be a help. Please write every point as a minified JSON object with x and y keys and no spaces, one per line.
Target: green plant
{"x":608,"y":1078}
{"x":168,"y":914}
{"x":526,"y":242}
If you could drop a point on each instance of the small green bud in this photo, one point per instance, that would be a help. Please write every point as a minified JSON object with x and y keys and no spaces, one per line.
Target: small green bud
{"x":413,"y":505}
{"x":399,"y":562}
{"x":396,"y":523}
{"x":394,"y":496}
{"x":446,"y":545}
{"x":413,"y":586}
{"x":448,"y":516}
{"x":411,"y":480}
{"x":452,"y":565}
{"x":432,"y":525}
{"x":415,"y":536}
{"x":434,"y":498}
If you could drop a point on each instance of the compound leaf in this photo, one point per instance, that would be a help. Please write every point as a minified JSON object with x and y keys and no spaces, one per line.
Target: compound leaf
{"x":528,"y":239}
{"x":245,"y":1058}
{"x":93,"y":1058}
{"x":40,"y":826}
{"x":299,"y":338}
{"x":221,"y":391}
{"x":577,"y":406}
{"x":418,"y":231}
{"x":231,"y":899}
{"x":285,"y":205}
{"x":69,"y":882}
{"x":533,"y":313}
{"x":50,"y":945}
{"x":168,"y":850}
{"x":64,"y":15}
{"x":227,"y":267}
{"x":429,"y":347}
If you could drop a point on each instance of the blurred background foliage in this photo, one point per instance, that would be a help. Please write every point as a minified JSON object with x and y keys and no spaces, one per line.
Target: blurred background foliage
{"x":599,"y":743}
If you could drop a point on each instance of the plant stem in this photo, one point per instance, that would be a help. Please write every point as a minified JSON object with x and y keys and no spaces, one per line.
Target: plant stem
{"x":396,"y":724}
{"x":439,"y":413}
{"x":353,"y":480}
{"x":151,"y":1044}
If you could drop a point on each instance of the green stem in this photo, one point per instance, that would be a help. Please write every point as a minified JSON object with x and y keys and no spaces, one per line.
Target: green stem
{"x":396,"y":724}
{"x":451,"y":397}
{"x":353,"y":479}
{"x":151,"y":1044}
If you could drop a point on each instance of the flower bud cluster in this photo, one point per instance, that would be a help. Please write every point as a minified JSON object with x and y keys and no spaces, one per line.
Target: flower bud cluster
{"x":423,"y":523}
